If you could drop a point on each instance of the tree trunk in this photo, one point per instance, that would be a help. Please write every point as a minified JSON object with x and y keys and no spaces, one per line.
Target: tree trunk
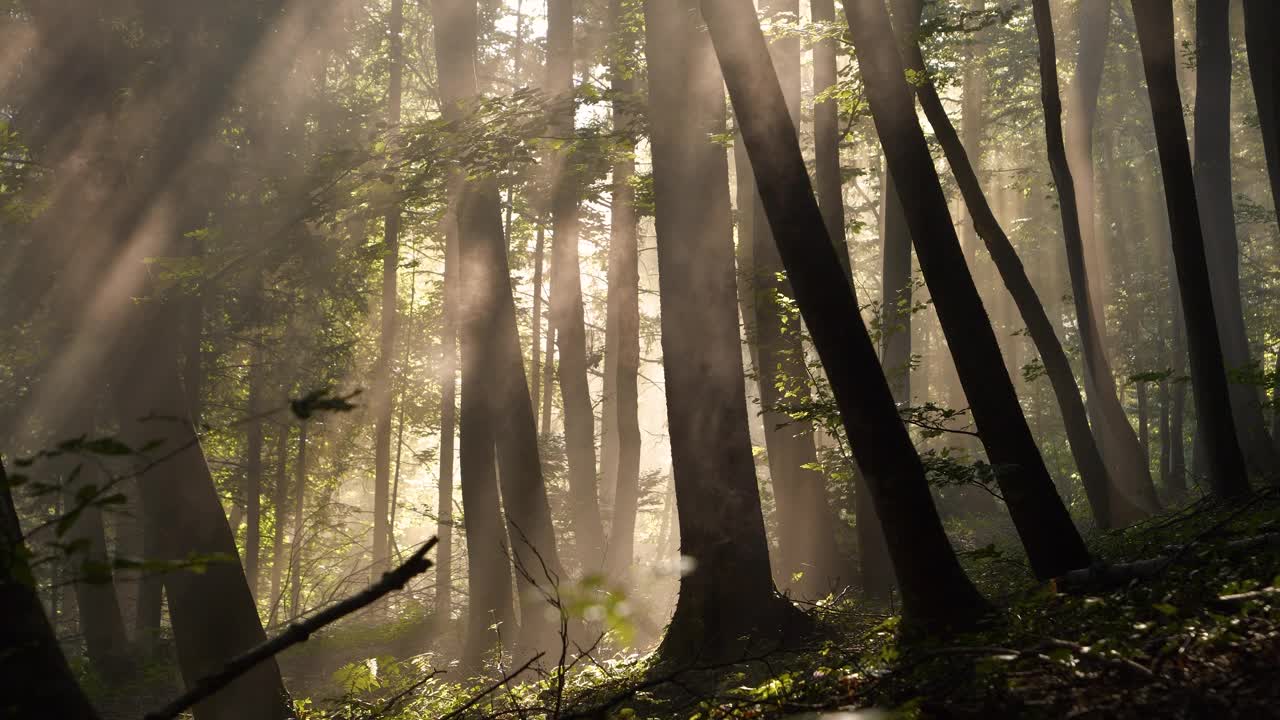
{"x":448,"y":413}
{"x":934,"y":588}
{"x":1109,"y":507}
{"x":1094,"y":28}
{"x":535,"y":322}
{"x":1261,"y":18}
{"x":1154,"y":20}
{"x":1053,"y":544}
{"x":1115,"y":436}
{"x":496,"y":407}
{"x":279,"y":501}
{"x":622,"y":356}
{"x":1222,"y":251}
{"x":298,"y":539}
{"x":383,"y":402}
{"x":728,"y":595}
{"x":212,"y":611}
{"x":826,"y":134}
{"x":101,"y":622}
{"x":566,"y":296}
{"x":32,"y":663}
{"x":972,"y":120}
{"x":253,"y":473}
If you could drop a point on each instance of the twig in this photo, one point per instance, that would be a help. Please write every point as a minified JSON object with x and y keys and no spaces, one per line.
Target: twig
{"x":296,"y":633}
{"x":491,"y":688}
{"x":388,"y":705}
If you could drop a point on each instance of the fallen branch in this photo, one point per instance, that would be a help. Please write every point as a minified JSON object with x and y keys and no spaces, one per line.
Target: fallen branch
{"x":1237,"y":599}
{"x":297,"y":632}
{"x":1109,"y":575}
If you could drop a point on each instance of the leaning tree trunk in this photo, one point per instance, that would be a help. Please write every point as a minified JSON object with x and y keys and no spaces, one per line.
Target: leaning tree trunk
{"x":1222,"y":250}
{"x":1154,"y":20}
{"x":35,"y":671}
{"x":496,"y":407}
{"x":728,"y":599}
{"x":1261,"y":18}
{"x":934,"y":587}
{"x":1131,"y":475}
{"x":806,"y":539}
{"x":1052,"y":542}
{"x":1111,"y":428}
{"x":211,"y":609}
{"x":1108,"y":506}
{"x":566,"y":295}
{"x":623,"y":355}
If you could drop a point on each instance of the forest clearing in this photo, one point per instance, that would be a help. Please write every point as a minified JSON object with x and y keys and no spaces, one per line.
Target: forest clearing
{"x":672,"y":359}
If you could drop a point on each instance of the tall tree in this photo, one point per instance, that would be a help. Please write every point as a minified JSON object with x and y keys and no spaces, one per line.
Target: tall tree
{"x":297,"y":540}
{"x":622,"y":334}
{"x":32,"y":662}
{"x":211,"y":609}
{"x":1217,"y":212}
{"x":826,"y":130}
{"x":253,"y":472}
{"x":1260,"y":20}
{"x":1154,"y":20}
{"x":1109,"y":507}
{"x":566,"y":293}
{"x":806,"y":540}
{"x":1052,"y":542}
{"x":383,"y":403}
{"x":1131,"y":473}
{"x":728,"y":598}
{"x":934,"y":587}
{"x":496,"y":407}
{"x":448,"y":411}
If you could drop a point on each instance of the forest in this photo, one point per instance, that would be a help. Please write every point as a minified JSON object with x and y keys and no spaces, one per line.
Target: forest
{"x":671,"y":359}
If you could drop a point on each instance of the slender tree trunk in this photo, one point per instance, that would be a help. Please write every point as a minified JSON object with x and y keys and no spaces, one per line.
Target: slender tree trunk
{"x":566,"y":296}
{"x":935,"y":589}
{"x":253,"y":474}
{"x":1144,"y":433}
{"x":212,"y":611}
{"x":1154,"y":20}
{"x":622,"y":357}
{"x":1052,"y":542}
{"x":728,"y":602}
{"x":805,"y":531}
{"x":1261,"y":18}
{"x":32,"y":662}
{"x":1116,"y":439}
{"x":1093,"y":21}
{"x":972,"y":119}
{"x":101,"y":622}
{"x":535,"y":348}
{"x":448,"y":414}
{"x":383,"y":397}
{"x":826,"y":134}
{"x":279,"y":501}
{"x":298,"y":539}
{"x":1217,"y":212}
{"x":496,"y":407}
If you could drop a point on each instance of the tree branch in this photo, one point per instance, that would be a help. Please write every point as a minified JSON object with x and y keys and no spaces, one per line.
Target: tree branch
{"x":297,"y":632}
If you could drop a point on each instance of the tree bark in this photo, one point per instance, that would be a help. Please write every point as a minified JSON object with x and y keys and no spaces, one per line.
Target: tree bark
{"x":1261,"y":18}
{"x":449,"y":413}
{"x":297,"y":541}
{"x":496,"y":408}
{"x":253,"y":473}
{"x":826,"y":134}
{"x":1154,"y":20}
{"x":622,"y":356}
{"x":32,"y":663}
{"x":279,"y":503}
{"x":1131,"y":476}
{"x":934,"y":588}
{"x":727,"y":599}
{"x":1052,"y":542}
{"x":212,"y":612}
{"x":1217,"y":212}
{"x":101,"y":622}
{"x":566,"y":296}
{"x":383,"y":402}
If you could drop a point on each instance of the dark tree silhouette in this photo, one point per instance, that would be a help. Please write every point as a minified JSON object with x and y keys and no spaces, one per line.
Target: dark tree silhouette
{"x":1154,"y":20}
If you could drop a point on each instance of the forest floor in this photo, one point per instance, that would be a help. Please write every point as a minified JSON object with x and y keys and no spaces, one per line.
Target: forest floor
{"x":1196,"y":634}
{"x":1193,"y":632}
